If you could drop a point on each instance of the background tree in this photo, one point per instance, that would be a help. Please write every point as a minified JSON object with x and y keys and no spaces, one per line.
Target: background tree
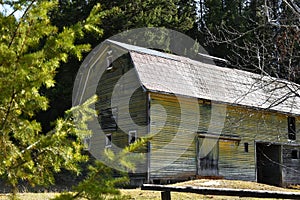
{"x":263,"y":36}
{"x":258,"y":36}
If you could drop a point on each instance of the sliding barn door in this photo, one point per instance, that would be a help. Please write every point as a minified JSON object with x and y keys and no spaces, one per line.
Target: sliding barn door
{"x":207,"y":156}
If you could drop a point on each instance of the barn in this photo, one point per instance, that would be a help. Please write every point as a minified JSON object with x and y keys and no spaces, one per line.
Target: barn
{"x":205,"y":120}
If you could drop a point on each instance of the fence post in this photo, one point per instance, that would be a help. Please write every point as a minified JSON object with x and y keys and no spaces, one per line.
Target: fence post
{"x":166,"y":195}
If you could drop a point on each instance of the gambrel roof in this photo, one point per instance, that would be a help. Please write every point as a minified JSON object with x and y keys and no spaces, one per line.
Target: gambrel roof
{"x":166,"y":73}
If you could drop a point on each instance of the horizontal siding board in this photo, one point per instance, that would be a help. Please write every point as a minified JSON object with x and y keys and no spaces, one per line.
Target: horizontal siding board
{"x":131,"y":108}
{"x":291,"y":167}
{"x":173,"y":144}
{"x":249,"y":124}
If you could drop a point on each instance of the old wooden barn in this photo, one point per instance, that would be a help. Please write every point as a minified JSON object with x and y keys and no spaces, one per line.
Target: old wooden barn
{"x":207,"y":121}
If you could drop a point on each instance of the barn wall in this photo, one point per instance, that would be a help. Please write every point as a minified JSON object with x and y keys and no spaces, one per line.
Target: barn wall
{"x":235,"y":162}
{"x":129,"y":118}
{"x":173,"y":152}
{"x":236,"y":158}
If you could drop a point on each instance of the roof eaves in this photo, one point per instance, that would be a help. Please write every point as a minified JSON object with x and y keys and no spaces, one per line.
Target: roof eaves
{"x":226,"y":103}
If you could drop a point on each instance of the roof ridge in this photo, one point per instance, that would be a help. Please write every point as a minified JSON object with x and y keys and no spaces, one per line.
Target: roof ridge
{"x":180,"y":58}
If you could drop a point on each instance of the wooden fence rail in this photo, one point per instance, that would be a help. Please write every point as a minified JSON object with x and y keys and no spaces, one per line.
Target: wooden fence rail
{"x":167,"y":189}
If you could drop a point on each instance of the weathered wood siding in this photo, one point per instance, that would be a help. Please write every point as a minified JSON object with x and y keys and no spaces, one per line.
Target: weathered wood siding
{"x":131,"y":106}
{"x":173,"y":152}
{"x":235,"y":162}
{"x":290,"y":164}
{"x":236,"y":159}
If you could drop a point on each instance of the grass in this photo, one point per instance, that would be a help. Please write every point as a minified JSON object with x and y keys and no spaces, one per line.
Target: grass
{"x":31,"y":196}
{"x":138,"y":194}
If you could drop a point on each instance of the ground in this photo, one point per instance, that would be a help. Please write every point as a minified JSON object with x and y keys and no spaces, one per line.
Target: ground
{"x":138,"y":194}
{"x":236,"y":184}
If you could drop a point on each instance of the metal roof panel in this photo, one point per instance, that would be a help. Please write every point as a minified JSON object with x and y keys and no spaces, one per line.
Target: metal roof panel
{"x":167,"y":73}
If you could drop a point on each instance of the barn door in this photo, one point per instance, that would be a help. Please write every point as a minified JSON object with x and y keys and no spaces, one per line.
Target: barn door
{"x":268,"y":159}
{"x":207,"y":156}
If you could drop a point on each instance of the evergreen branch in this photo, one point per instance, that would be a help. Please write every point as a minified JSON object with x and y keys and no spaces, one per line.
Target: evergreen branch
{"x":7,"y":113}
{"x":19,"y":24}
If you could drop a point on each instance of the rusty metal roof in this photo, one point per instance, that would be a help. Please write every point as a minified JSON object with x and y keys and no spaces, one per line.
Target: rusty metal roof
{"x":167,"y":73}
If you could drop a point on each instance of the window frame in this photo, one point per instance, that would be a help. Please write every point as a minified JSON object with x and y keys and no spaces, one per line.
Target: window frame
{"x":246,"y":147}
{"x":295,"y":154}
{"x":108,"y":142}
{"x":112,"y":114}
{"x":109,"y":60}
{"x":130,"y":134}
{"x":87,"y":143}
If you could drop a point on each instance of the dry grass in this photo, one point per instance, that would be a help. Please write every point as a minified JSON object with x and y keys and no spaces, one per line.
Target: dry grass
{"x":138,"y":194}
{"x":31,"y":196}
{"x":235,"y":184}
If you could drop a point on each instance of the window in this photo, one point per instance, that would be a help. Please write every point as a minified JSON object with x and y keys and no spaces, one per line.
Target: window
{"x":291,"y":128}
{"x":294,"y":154}
{"x":108,"y":139}
{"x":109,"y":60}
{"x":109,"y":118}
{"x":246,"y":147}
{"x":132,"y":136}
{"x":87,"y":142}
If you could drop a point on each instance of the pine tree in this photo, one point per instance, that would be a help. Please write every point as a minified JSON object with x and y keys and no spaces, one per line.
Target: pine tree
{"x":100,"y":184}
{"x":31,"y":50}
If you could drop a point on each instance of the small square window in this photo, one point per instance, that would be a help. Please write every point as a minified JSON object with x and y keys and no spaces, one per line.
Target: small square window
{"x":87,"y":142}
{"x":109,"y":119}
{"x":108,"y":140}
{"x":132,"y":137}
{"x":295,"y":154}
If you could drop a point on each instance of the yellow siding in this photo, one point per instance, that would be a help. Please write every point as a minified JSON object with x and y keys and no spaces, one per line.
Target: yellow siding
{"x":248,"y":124}
{"x":136,"y":112}
{"x":251,"y":125}
{"x":173,"y":146}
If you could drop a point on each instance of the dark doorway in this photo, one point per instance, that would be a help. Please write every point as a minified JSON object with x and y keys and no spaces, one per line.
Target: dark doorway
{"x":207,"y":157}
{"x":268,"y":159}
